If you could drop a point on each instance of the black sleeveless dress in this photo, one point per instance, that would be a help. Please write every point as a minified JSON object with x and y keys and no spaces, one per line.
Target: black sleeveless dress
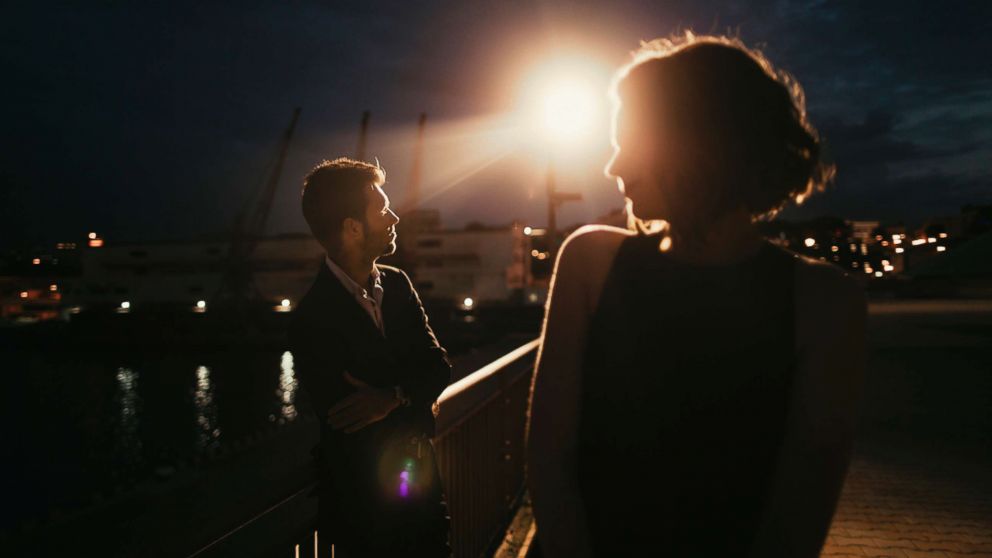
{"x":685,"y":389}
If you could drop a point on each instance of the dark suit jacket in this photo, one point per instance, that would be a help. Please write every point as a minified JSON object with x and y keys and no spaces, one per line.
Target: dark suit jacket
{"x":330,"y":333}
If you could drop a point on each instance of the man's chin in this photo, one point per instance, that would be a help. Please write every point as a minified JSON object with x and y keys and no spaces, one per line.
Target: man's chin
{"x":390,"y":249}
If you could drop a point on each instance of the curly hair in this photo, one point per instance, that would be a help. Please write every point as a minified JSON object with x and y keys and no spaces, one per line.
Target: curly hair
{"x":743,"y":134}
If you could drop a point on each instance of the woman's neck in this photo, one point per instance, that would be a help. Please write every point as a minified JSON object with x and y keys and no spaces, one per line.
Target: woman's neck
{"x":728,"y":239}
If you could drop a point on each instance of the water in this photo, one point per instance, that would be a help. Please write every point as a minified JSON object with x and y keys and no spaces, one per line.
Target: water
{"x":79,"y":426}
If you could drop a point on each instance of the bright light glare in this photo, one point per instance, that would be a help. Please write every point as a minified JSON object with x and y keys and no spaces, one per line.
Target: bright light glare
{"x":567,"y":109}
{"x":468,"y":302}
{"x":201,"y":304}
{"x":564,"y":107}
{"x":810,"y":242}
{"x":285,"y":303}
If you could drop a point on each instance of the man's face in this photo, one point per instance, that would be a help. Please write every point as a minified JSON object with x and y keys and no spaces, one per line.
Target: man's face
{"x":380,"y":224}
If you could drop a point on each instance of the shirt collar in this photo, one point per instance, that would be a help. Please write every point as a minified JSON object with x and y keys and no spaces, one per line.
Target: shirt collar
{"x":354,"y":288}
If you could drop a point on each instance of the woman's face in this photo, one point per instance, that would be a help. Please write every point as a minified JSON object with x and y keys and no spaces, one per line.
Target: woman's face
{"x":637,"y":164}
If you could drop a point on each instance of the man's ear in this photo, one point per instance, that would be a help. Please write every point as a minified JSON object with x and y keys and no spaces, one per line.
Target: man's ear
{"x":351,"y":228}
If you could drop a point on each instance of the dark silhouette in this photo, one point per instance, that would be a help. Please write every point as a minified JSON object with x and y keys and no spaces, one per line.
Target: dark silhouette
{"x":697,"y":386}
{"x":372,"y":368}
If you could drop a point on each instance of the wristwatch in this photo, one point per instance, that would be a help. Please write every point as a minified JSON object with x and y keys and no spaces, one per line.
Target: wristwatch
{"x":401,"y":397}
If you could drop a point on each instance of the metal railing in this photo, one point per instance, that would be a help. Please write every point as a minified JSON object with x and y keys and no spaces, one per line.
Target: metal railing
{"x":479,"y":445}
{"x":481,"y":421}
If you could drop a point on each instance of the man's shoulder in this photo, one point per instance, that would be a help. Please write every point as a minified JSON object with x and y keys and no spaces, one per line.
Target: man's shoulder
{"x":311,"y":306}
{"x":394,"y":275}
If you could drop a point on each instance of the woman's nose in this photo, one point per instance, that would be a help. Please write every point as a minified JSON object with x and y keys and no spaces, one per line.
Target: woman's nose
{"x":614,"y":167}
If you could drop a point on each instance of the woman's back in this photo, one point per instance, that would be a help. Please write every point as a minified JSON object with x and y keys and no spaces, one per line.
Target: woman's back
{"x":685,"y":388}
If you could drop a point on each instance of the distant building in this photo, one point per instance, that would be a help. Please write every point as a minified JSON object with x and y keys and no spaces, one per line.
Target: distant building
{"x":864,"y":230}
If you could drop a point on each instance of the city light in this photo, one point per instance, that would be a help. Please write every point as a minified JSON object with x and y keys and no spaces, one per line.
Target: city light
{"x":468,"y":302}
{"x":931,"y":240}
{"x":201,"y":304}
{"x":285,"y":303}
{"x":53,"y":287}
{"x":810,"y":242}
{"x":900,"y":250}
{"x":528,"y":231}
{"x":125,"y":305}
{"x":919,"y":241}
{"x":834,"y":248}
{"x":889,"y":268}
{"x":942,"y":235}
{"x":36,"y":261}
{"x":96,"y":243}
{"x":878,"y":274}
{"x":941,"y":248}
{"x":92,"y":236}
{"x":24,"y":294}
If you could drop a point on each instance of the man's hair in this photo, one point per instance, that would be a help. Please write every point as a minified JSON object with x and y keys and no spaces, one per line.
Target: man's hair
{"x":335,"y":190}
{"x":737,"y":126}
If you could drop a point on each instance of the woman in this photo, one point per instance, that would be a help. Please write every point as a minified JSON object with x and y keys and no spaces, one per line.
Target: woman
{"x":697,"y":387}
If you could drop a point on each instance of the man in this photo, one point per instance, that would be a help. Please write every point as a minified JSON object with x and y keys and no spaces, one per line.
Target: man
{"x":373,"y":368}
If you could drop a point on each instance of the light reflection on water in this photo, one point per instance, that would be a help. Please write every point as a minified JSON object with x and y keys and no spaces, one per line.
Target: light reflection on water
{"x":208,"y":433}
{"x":128,"y":439}
{"x":287,"y":388}
{"x":83,"y":424}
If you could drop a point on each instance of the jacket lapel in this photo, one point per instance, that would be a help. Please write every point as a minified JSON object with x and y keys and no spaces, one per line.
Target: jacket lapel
{"x":372,"y":355}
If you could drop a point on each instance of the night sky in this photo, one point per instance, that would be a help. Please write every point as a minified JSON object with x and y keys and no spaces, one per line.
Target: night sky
{"x":149,"y":121}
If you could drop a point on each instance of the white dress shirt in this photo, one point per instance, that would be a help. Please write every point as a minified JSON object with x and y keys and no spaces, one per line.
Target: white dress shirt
{"x":371,"y":303}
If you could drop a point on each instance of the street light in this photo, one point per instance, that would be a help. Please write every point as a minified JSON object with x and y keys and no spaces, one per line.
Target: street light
{"x":567,"y":105}
{"x":566,"y":108}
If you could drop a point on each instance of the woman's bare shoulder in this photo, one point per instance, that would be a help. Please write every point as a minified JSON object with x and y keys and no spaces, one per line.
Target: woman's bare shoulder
{"x":594,"y":241}
{"x":821,"y":280}
{"x":585,"y":260}
{"x":827,"y":297}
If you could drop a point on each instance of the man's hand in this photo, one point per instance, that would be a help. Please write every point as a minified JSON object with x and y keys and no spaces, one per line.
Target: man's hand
{"x":367,"y":405}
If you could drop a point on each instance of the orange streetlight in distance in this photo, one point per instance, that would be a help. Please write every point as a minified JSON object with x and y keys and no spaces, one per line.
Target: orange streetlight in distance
{"x":568,"y":106}
{"x":565,"y":112}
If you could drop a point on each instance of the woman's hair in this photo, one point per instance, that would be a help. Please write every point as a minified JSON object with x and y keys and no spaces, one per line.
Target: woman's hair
{"x":735,"y":126}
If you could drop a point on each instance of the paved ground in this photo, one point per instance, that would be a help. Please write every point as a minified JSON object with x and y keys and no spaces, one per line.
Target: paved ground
{"x":921,"y":480}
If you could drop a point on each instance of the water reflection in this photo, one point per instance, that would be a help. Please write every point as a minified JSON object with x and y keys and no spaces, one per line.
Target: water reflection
{"x":128,"y":442}
{"x":287,"y":388}
{"x":208,"y":432}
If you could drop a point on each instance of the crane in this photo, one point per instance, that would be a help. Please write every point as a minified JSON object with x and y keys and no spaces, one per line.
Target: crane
{"x":249,"y":226}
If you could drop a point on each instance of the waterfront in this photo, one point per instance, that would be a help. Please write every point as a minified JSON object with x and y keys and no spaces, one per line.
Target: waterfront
{"x":82,"y":425}
{"x":132,"y":437}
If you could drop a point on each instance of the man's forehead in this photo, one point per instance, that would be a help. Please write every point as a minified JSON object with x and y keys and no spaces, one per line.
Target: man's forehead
{"x":375,"y":194}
